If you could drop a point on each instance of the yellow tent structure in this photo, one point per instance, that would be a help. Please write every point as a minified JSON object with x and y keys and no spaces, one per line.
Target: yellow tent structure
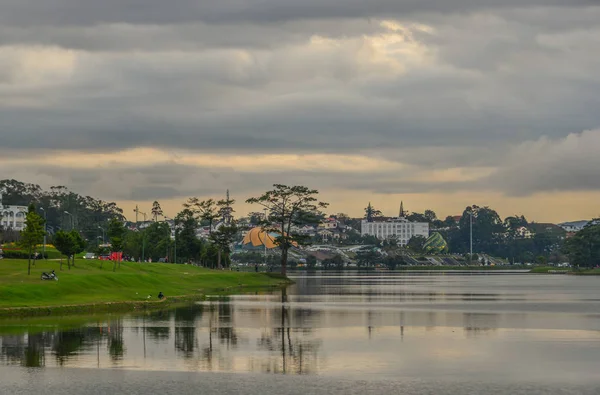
{"x":257,"y":237}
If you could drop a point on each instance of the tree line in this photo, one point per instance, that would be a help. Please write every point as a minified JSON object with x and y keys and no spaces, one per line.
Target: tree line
{"x":286,"y":208}
{"x":504,"y":238}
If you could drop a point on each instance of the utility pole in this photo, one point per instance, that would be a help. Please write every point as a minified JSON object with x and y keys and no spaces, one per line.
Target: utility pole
{"x":168,"y":235}
{"x":71,"y":215}
{"x":137,"y":212}
{"x":45,"y":231}
{"x":471,"y":235}
{"x":265,"y":239}
{"x":175,"y":241}
{"x":103,"y":238}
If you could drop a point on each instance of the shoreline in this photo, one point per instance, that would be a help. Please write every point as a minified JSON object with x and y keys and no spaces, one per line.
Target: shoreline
{"x":90,"y":288}
{"x":127,"y":305}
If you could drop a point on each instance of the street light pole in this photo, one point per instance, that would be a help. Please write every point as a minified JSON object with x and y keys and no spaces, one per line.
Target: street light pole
{"x":168,"y":235}
{"x":71,"y":215}
{"x":471,"y":235}
{"x":45,"y":231}
{"x":175,"y":241}
{"x":103,"y":238}
{"x":265,"y":240}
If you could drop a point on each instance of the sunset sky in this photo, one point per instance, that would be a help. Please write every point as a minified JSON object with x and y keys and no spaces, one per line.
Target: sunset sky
{"x":439,"y":103}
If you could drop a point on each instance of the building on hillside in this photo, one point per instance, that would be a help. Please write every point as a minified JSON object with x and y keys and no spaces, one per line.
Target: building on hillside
{"x":332,"y":234}
{"x":12,"y":217}
{"x":330,"y":223}
{"x":524,"y":233}
{"x":307,"y":230}
{"x":398,"y":227}
{"x":574,"y":226}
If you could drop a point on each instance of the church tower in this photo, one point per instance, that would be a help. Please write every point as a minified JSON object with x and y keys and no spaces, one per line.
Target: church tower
{"x":402,"y":212}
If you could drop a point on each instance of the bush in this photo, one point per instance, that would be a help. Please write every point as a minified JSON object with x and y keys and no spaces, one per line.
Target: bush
{"x":18,"y":254}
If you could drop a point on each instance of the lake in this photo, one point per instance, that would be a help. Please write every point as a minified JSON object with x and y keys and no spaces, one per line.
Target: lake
{"x":451,"y":333}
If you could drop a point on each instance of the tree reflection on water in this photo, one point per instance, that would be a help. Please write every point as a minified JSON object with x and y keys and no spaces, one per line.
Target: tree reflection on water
{"x":209,"y":337}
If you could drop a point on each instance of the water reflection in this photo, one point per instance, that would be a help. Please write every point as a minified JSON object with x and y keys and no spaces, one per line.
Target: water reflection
{"x":352,"y":326}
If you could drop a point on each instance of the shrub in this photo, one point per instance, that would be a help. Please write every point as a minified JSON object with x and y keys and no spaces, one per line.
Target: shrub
{"x":18,"y":254}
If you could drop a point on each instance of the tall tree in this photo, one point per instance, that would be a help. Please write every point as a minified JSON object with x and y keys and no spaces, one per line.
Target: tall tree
{"x":256,"y":217}
{"x":224,"y":235}
{"x":205,"y":210}
{"x":225,"y":209}
{"x":416,"y":243}
{"x":33,"y":234}
{"x":583,"y":248}
{"x":116,"y":234}
{"x":430,"y":216}
{"x":64,"y":244}
{"x":79,"y":244}
{"x":366,"y":257}
{"x":488,"y":230}
{"x":222,"y":238}
{"x":371,"y":213}
{"x":188,"y":245}
{"x":288,"y":206}
{"x":417,"y":217}
{"x":156,"y":211}
{"x":69,"y":244}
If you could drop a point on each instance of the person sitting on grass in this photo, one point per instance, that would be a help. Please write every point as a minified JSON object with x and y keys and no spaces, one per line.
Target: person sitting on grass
{"x":160,"y":295}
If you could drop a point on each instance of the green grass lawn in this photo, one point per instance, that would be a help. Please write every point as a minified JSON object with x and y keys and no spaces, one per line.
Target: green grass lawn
{"x":570,"y":270}
{"x":88,"y":283}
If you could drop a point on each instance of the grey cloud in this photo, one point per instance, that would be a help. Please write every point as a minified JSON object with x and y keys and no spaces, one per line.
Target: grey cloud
{"x":216,"y":77}
{"x":174,"y":181}
{"x":550,"y":165}
{"x":183,"y":37}
{"x":88,"y":12}
{"x":542,"y":166}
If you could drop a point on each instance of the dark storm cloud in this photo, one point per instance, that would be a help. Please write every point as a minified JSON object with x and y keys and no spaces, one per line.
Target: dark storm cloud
{"x":455,"y":83}
{"x":89,"y":12}
{"x":168,"y":181}
{"x":550,"y":165}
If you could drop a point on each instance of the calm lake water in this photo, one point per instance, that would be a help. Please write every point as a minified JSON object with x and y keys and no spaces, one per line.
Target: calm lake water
{"x":416,"y":333}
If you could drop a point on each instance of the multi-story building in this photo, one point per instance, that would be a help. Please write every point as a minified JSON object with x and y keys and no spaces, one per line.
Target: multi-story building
{"x":12,"y":217}
{"x":399,"y":228}
{"x":574,"y":226}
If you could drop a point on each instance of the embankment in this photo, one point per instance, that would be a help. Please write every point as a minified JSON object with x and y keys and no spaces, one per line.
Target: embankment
{"x":92,"y":286}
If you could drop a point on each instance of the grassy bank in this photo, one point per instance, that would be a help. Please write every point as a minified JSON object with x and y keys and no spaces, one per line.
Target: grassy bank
{"x":417,"y":268}
{"x":468,"y":268}
{"x":88,"y":284}
{"x":566,"y":270}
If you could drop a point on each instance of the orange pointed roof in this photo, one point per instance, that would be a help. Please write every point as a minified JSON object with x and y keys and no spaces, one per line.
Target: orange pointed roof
{"x":257,"y":237}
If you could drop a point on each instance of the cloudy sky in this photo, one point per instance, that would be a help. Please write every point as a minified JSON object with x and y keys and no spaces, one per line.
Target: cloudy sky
{"x":440,"y":103}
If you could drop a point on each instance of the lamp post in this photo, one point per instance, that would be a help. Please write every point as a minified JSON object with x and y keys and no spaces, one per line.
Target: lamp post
{"x":103,"y":238}
{"x":71,"y":215}
{"x":265,"y":240}
{"x":471,"y":233}
{"x":175,"y":241}
{"x":175,"y":238}
{"x":45,"y":231}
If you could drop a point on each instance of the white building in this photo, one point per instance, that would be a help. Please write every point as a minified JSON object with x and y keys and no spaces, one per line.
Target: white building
{"x":12,"y":217}
{"x":400,"y":228}
{"x":524,"y":233}
{"x":574,"y":226}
